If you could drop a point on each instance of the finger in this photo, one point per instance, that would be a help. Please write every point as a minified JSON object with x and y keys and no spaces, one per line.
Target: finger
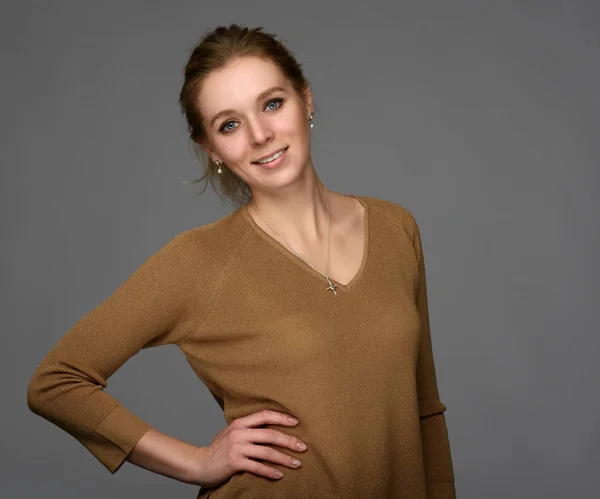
{"x":269,"y":454}
{"x":266,"y":416}
{"x":260,"y":469}
{"x":271,"y":436}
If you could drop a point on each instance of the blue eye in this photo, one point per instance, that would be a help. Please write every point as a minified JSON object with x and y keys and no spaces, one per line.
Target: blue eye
{"x":278,"y":101}
{"x":224,"y":129}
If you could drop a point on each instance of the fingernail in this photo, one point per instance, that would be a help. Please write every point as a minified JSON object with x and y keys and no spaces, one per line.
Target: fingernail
{"x":301,"y":445}
{"x":293,"y":420}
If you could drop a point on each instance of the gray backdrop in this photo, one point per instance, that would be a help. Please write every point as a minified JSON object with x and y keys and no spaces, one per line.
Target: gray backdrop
{"x":480,"y":117}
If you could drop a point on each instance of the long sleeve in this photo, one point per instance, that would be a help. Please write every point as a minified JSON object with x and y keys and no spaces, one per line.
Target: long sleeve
{"x":434,"y":434}
{"x":148,"y":309}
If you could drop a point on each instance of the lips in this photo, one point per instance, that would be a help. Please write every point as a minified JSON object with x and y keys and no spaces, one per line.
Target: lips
{"x":270,"y":154}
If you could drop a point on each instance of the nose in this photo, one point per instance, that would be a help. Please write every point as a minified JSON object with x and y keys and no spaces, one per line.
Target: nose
{"x":260,"y":132}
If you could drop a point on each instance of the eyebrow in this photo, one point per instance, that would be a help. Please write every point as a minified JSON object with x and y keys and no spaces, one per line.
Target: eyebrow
{"x":260,"y":97}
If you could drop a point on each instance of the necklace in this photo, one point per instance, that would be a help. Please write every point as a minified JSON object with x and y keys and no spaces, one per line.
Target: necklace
{"x":330,"y":286}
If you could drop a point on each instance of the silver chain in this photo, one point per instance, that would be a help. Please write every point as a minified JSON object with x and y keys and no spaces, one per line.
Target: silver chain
{"x":331,"y":286}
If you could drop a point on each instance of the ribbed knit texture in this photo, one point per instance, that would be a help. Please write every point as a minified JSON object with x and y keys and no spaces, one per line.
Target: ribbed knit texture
{"x":261,"y":331}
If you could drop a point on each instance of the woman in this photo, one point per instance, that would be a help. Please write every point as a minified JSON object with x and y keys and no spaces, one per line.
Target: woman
{"x":302,"y":302}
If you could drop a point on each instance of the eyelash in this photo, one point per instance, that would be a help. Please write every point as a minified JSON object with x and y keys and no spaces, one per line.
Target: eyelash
{"x":222,"y":128}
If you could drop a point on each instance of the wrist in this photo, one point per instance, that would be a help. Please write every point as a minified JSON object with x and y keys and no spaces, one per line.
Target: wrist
{"x":197,"y":465}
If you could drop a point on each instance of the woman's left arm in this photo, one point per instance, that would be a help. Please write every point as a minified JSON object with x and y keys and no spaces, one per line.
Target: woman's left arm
{"x":434,"y":433}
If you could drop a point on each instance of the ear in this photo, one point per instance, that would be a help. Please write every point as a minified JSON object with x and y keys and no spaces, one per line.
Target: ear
{"x":207,"y":149}
{"x":308,"y":101}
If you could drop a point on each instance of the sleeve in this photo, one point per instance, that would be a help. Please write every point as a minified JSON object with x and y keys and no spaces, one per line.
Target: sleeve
{"x":434,"y":433}
{"x":67,"y":388}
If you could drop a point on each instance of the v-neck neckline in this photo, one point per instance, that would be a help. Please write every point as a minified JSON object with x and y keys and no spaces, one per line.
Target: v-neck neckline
{"x":299,"y":261}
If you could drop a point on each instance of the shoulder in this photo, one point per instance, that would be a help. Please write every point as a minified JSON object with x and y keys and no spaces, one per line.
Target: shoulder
{"x":398,"y":218}
{"x":206,"y":247}
{"x":394,"y":214}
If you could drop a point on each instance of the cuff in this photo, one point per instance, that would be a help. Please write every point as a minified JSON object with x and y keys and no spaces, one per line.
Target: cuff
{"x":115,"y":437}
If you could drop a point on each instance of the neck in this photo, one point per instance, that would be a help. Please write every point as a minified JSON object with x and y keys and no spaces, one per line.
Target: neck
{"x":298,"y":213}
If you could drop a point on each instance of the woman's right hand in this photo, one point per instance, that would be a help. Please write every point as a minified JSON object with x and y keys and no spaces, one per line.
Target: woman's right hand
{"x":233,"y":447}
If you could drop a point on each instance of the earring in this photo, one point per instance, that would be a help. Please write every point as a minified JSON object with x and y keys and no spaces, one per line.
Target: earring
{"x":310,"y":118}
{"x":219,"y":169}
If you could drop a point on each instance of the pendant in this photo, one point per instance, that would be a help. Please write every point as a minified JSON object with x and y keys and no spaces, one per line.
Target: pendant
{"x":331,"y":285}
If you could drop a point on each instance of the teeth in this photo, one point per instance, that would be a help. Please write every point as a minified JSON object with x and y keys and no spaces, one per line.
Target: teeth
{"x":275,"y":156}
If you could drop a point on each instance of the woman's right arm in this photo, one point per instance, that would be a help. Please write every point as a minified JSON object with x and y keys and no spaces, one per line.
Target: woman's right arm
{"x":168,"y":456}
{"x":150,"y":308}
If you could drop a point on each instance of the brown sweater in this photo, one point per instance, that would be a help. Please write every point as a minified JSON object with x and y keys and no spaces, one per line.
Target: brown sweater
{"x":261,"y":331}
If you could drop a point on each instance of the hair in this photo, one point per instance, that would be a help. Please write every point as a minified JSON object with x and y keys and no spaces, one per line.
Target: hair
{"x":213,"y":52}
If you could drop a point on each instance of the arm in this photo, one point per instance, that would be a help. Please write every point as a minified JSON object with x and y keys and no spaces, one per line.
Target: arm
{"x":167,"y":456}
{"x":149,"y":309}
{"x":434,"y":434}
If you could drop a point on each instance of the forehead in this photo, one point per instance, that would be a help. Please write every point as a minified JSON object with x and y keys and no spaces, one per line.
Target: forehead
{"x":238,"y":84}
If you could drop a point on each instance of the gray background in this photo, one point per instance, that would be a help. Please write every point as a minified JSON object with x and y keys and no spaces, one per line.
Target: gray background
{"x":481,"y":118}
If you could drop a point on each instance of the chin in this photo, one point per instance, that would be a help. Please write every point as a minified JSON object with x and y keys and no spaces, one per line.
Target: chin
{"x":283,"y":178}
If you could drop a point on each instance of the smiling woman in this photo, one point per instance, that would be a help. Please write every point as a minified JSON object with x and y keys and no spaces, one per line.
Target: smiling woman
{"x":302,"y":302}
{"x":226,"y":118}
{"x":265,"y":119}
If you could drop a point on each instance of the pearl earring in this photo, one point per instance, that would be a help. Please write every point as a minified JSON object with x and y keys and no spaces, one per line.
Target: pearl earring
{"x":310,"y":118}
{"x":219,"y":169}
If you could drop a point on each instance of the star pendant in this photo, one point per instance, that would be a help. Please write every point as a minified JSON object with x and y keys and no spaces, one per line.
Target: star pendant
{"x":331,"y":286}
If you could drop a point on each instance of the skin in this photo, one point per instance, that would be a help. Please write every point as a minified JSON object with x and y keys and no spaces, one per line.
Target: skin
{"x":291,"y":197}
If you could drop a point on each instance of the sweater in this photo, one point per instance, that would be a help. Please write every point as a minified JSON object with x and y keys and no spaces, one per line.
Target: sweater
{"x":261,"y":330}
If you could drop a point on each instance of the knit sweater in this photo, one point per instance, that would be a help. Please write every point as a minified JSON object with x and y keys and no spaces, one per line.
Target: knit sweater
{"x":261,"y":330}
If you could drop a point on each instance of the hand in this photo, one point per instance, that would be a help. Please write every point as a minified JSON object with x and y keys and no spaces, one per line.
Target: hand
{"x":234,"y":445}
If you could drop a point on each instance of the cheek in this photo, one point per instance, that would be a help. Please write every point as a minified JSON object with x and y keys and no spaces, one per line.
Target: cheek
{"x":234,"y":147}
{"x":293,"y":125}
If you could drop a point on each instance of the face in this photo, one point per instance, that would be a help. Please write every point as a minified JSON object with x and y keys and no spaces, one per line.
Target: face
{"x":250,"y":110}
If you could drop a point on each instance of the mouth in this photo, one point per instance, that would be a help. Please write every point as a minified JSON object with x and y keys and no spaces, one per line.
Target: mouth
{"x":265,"y":160}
